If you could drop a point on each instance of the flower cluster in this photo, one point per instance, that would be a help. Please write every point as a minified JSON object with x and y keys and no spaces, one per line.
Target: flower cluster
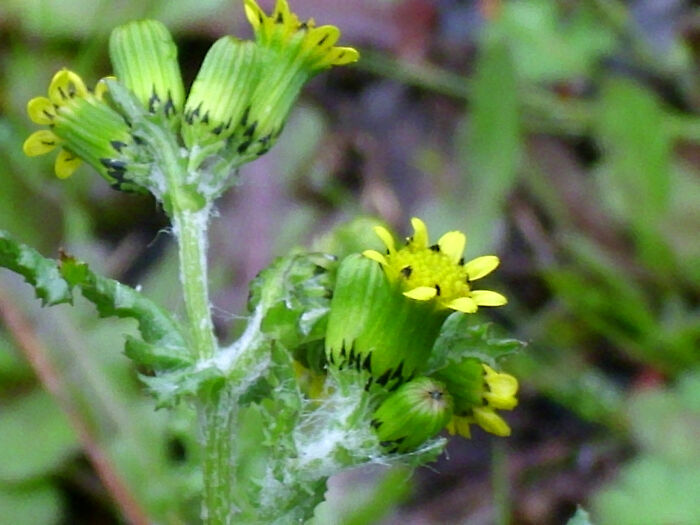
{"x":236,"y":109}
{"x":384,"y":322}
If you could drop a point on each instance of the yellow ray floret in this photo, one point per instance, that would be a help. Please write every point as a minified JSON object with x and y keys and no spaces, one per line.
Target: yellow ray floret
{"x":437,"y":272}
{"x":502,"y":389}
{"x":40,"y":143}
{"x":283,"y":29}
{"x":491,"y":422}
{"x":485,"y":417}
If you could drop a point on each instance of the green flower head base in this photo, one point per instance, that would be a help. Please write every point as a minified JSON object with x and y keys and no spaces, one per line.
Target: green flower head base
{"x":144,"y":57}
{"x":82,"y":125}
{"x":372,"y":326}
{"x":437,"y":272}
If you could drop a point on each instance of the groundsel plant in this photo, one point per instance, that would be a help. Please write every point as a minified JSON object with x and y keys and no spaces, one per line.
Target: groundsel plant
{"x":346,"y":359}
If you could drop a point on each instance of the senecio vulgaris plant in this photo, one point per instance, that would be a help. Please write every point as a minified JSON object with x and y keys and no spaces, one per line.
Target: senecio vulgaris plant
{"x":346,"y":359}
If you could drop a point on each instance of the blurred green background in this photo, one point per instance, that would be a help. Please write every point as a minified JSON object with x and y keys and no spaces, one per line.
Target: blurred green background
{"x":561,"y":135}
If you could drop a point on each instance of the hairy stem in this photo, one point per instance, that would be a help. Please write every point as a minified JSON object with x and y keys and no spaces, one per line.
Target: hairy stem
{"x":190,"y":217}
{"x":217,"y":420}
{"x":191,"y":230}
{"x":217,"y":410}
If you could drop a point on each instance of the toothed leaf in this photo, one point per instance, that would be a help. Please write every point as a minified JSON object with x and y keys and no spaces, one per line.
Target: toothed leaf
{"x":171,"y":386}
{"x":42,"y":273}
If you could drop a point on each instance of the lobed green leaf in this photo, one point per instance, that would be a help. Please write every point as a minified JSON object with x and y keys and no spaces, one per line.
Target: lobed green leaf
{"x":113,"y":298}
{"x":163,"y":346}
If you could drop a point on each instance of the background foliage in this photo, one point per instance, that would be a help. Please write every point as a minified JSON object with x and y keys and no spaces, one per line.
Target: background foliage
{"x":563,"y":136}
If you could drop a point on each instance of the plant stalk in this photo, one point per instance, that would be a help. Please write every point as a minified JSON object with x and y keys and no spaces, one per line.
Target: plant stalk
{"x":191,"y":230}
{"x":216,"y":410}
{"x":217,"y":420}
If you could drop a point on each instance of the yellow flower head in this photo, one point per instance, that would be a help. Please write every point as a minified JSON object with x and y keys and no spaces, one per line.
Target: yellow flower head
{"x":288,"y":53}
{"x":437,"y":272}
{"x":283,"y":30}
{"x":499,"y":394}
{"x":84,"y":126}
{"x":65,"y":87}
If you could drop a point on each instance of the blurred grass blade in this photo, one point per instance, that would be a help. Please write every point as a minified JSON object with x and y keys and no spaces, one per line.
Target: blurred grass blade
{"x":39,"y":503}
{"x":493,"y":140}
{"x":660,"y":484}
{"x":636,"y":174}
{"x":394,"y":487}
{"x":52,"y":440}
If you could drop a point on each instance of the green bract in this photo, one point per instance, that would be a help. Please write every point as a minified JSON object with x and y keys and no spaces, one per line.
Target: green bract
{"x":465,"y":381}
{"x":372,"y":326}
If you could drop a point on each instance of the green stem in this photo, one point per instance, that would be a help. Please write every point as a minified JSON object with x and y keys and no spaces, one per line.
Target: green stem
{"x":191,"y":230}
{"x":218,"y":417}
{"x":499,"y":483}
{"x":217,"y":412}
{"x":190,"y":216}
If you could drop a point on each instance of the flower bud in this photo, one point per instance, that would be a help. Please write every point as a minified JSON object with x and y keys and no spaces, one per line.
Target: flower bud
{"x":218,"y":101}
{"x":144,"y":58}
{"x":465,"y":381}
{"x":411,"y":415}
